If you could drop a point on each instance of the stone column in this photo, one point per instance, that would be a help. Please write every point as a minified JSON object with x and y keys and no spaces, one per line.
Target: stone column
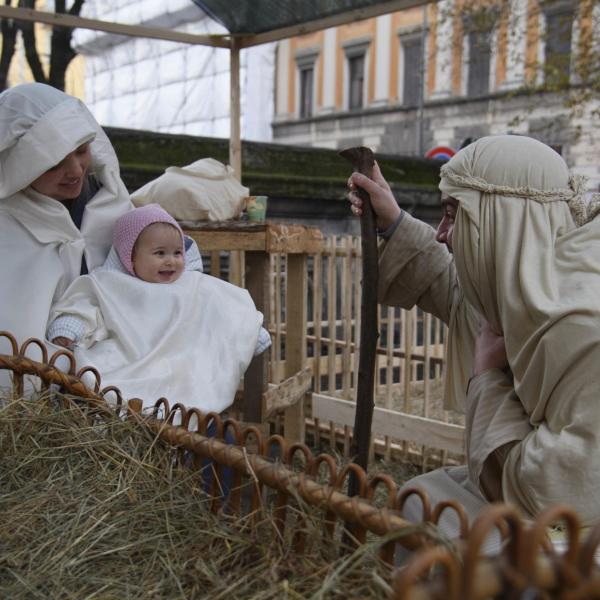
{"x":329,"y":69}
{"x":383,"y":42}
{"x":443,"y":57}
{"x":282,"y":107}
{"x":516,"y":45}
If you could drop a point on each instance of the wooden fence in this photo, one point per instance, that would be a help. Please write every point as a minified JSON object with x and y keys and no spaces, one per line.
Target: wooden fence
{"x":409,"y":420}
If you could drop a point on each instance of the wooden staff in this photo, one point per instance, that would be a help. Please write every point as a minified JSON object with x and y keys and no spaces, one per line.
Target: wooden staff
{"x":363,"y":161}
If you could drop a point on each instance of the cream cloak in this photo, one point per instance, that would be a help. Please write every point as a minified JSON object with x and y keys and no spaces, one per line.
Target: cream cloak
{"x":535,"y":276}
{"x":189,"y":341}
{"x":525,"y":265}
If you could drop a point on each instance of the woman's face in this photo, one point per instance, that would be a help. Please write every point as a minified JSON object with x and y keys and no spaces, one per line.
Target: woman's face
{"x":65,"y":180}
{"x":446,"y":226}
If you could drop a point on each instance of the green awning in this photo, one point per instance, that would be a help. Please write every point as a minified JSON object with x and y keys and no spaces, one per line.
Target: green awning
{"x":252,"y":17}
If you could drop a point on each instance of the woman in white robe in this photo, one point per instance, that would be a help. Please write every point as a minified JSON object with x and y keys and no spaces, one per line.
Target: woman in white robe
{"x":48,"y":240}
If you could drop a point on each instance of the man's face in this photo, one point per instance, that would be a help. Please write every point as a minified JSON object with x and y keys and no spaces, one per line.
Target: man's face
{"x":444,"y":231}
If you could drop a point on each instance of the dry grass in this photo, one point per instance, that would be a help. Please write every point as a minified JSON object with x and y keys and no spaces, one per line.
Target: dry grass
{"x":97,"y":509}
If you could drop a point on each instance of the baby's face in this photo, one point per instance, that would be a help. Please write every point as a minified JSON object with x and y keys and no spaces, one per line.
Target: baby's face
{"x":158,"y":254}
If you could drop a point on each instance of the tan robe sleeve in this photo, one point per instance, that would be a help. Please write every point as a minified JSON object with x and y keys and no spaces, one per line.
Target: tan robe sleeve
{"x":495,"y":421}
{"x":416,"y":269}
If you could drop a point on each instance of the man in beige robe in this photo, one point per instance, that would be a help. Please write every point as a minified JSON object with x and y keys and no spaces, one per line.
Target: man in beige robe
{"x":520,"y":300}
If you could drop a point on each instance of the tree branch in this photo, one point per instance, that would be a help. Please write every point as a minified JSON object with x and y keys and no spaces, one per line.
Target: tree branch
{"x":62,"y":52}
{"x":33,"y":59}
{"x":76,"y":8}
{"x":9,"y":29}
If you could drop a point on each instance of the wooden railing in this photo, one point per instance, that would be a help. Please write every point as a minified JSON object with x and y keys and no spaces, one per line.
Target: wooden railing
{"x":410,"y":421}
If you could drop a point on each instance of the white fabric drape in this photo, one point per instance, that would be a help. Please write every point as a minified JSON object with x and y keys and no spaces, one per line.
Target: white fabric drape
{"x":189,"y":341}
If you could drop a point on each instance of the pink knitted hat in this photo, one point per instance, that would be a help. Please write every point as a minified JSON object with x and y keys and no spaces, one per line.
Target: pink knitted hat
{"x":131,"y":224}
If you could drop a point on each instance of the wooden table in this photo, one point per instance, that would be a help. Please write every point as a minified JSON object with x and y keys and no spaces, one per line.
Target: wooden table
{"x":258,"y":241}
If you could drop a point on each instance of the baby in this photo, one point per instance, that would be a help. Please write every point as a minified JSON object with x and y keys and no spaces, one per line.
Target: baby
{"x":190,"y":338}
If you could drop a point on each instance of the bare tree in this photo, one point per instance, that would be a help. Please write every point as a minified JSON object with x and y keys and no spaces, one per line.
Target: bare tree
{"x":61,"y":51}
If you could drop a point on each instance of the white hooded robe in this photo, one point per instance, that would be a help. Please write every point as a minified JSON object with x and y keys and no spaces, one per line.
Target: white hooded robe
{"x":41,"y":247}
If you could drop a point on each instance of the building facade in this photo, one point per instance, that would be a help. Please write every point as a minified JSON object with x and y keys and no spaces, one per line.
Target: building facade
{"x":444,"y":74}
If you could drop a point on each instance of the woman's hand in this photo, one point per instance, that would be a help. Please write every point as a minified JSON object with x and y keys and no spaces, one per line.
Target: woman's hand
{"x":63,"y":341}
{"x":490,"y":351}
{"x":384,"y":204}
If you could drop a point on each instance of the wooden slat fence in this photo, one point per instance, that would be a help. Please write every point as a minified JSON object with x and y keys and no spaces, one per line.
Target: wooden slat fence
{"x":410,"y":422}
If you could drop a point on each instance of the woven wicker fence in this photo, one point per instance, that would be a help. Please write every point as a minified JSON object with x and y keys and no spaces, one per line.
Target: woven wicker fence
{"x":527,"y":567}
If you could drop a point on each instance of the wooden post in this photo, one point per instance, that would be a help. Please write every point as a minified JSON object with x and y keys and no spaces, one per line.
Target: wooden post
{"x":235,"y":144}
{"x":258,"y":265}
{"x":236,"y":265}
{"x":295,"y":338}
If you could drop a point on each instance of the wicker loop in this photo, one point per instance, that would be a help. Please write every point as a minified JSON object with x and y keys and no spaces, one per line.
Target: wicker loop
{"x":440,"y":507}
{"x":212,"y":418}
{"x":304,"y":449}
{"x":237,"y":430}
{"x":94,"y":372}
{"x":11,"y":340}
{"x":361,"y":477}
{"x":419,"y":567}
{"x":68,"y":355}
{"x":405,"y":494}
{"x":276,"y":445}
{"x":114,"y":389}
{"x":251,"y":430}
{"x":388,"y":482}
{"x":34,"y":342}
{"x":331,"y":465}
{"x":537,"y":535}
{"x":587,"y":556}
{"x":192,"y":412}
{"x":507,"y":521}
{"x":177,"y":408}
{"x":160,"y":403}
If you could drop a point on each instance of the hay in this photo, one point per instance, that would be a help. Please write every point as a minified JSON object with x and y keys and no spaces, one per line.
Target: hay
{"x":97,"y":508}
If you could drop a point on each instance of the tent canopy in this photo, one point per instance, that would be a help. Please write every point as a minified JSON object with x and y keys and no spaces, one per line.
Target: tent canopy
{"x":260,"y":21}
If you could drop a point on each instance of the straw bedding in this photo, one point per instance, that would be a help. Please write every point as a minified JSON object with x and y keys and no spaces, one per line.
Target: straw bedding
{"x":97,"y":508}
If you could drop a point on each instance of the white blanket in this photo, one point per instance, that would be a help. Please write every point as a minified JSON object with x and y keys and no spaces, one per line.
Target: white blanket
{"x":189,"y":341}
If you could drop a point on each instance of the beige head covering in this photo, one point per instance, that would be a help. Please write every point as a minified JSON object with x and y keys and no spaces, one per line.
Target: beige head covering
{"x":527,"y":267}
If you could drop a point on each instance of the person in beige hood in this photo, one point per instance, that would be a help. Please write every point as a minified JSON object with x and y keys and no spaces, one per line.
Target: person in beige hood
{"x":519,"y":291}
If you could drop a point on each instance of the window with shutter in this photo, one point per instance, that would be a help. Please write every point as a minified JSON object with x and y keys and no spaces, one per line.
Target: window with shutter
{"x":478,"y":69}
{"x":356,"y":77}
{"x":411,"y":80}
{"x":557,"y":45}
{"x":306,"y":91}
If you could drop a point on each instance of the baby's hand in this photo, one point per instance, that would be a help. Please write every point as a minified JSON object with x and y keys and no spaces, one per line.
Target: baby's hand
{"x":63,"y":341}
